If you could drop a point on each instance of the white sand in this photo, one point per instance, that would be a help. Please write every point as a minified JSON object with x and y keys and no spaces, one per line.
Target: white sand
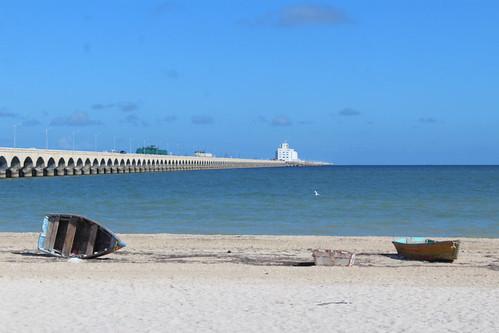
{"x":146,"y":289}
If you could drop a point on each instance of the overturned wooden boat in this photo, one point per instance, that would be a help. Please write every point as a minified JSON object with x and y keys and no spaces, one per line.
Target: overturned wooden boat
{"x":420,"y":248}
{"x":76,"y":236}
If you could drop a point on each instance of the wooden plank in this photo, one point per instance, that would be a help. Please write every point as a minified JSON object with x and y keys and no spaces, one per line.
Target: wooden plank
{"x":70,"y":236}
{"x":51,"y":234}
{"x":91,"y":240}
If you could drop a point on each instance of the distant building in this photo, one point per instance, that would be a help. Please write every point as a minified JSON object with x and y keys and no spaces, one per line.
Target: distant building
{"x":284,"y":153}
{"x":202,"y":153}
{"x":152,"y":150}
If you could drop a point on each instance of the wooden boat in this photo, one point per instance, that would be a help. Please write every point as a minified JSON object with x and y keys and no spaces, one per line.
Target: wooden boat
{"x":419,"y":248}
{"x":76,"y":236}
{"x":333,"y":258}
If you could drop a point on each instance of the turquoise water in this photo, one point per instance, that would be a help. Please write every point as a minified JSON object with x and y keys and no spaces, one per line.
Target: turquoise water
{"x":393,"y":201}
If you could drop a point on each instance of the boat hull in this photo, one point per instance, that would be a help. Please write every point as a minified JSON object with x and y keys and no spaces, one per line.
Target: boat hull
{"x":76,"y":236}
{"x":435,"y":251}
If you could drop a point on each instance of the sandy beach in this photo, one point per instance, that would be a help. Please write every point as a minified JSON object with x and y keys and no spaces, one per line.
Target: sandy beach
{"x":192,"y":283}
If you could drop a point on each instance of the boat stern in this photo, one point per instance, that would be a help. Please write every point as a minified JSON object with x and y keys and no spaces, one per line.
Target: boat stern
{"x":119,"y":245}
{"x":43,"y":235}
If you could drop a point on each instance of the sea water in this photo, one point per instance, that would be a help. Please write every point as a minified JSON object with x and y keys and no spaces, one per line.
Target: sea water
{"x":356,"y":200}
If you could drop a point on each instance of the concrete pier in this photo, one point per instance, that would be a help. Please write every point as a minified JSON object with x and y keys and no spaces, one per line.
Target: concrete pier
{"x":19,"y":162}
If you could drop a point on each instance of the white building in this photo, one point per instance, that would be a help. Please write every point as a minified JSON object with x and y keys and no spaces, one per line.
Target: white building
{"x":284,"y":153}
{"x":201,"y":153}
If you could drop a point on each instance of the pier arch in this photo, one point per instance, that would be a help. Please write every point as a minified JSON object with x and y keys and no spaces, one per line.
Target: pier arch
{"x":28,"y":162}
{"x":51,"y":163}
{"x":88,"y":164}
{"x":94,"y":168}
{"x":27,"y":170}
{"x":3,"y":164}
{"x":61,"y":164}
{"x":40,"y":163}
{"x":13,"y":170}
{"x":15,"y":163}
{"x":70,"y":167}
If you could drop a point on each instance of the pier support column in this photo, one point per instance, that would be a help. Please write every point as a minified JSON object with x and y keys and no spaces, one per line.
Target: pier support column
{"x":2,"y":174}
{"x":49,"y":172}
{"x":12,"y":173}
{"x":26,"y":172}
{"x":77,"y":172}
{"x":38,"y":172}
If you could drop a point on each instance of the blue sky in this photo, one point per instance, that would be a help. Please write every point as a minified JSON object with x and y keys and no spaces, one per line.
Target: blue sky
{"x":352,"y":82}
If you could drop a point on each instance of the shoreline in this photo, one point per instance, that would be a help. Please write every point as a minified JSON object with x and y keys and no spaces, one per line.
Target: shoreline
{"x":192,"y":283}
{"x":258,"y":253}
{"x":263,"y":236}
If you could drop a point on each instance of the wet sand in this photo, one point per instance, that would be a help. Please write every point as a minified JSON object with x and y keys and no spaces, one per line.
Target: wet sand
{"x":164,"y":282}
